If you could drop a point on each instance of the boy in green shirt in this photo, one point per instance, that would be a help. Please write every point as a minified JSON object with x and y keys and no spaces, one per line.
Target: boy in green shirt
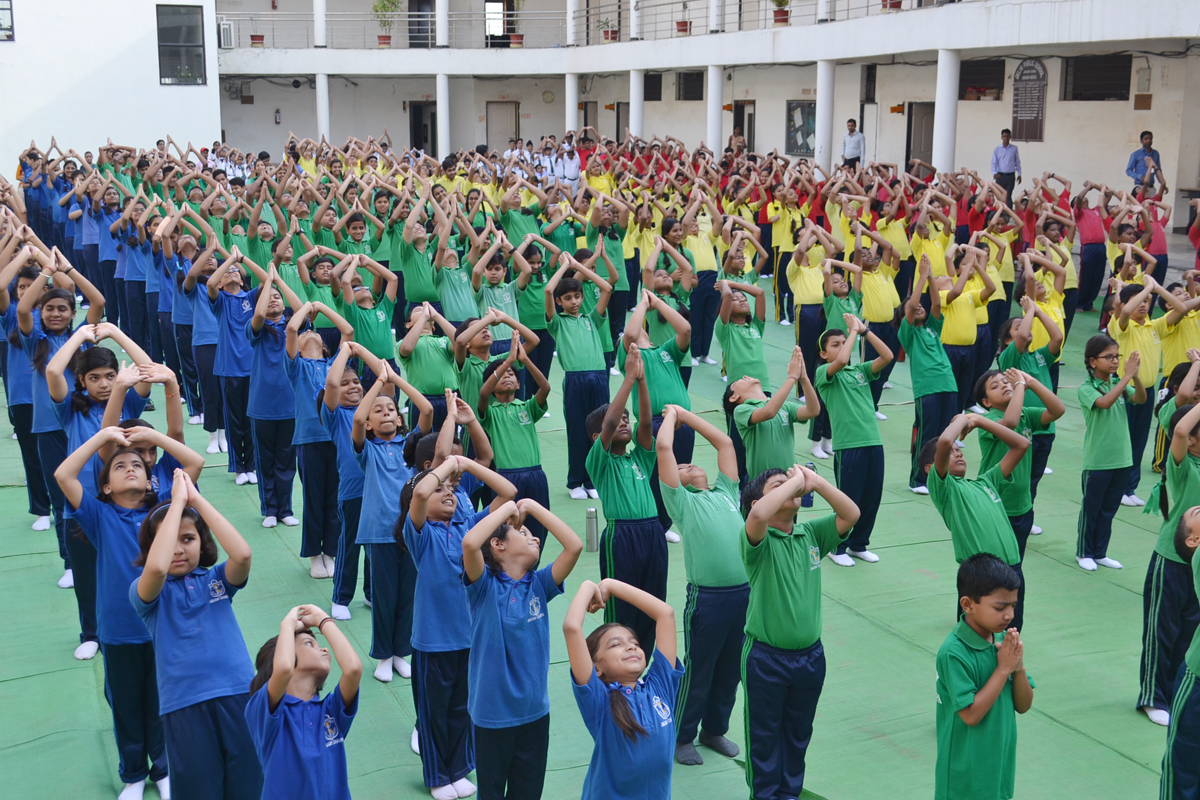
{"x":783,"y":659}
{"x":857,"y":447}
{"x":765,"y":425}
{"x":428,"y":360}
{"x":1181,"y":762}
{"x":981,"y":682}
{"x":368,"y":309}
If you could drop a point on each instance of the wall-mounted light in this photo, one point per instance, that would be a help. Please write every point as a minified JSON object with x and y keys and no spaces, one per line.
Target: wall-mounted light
{"x":278,"y":117}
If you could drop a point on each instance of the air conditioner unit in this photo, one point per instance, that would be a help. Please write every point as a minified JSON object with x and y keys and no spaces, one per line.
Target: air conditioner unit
{"x":225,"y":34}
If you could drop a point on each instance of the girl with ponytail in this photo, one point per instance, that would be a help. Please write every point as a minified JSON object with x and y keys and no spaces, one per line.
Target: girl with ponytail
{"x":631,"y":717}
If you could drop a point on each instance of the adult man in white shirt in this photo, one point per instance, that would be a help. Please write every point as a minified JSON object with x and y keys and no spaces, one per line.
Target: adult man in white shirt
{"x":854,"y":146}
{"x":567,"y":167}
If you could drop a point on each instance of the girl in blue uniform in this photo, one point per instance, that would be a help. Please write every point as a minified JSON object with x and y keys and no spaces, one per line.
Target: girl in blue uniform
{"x":300,"y":736}
{"x":510,"y":626}
{"x":631,"y":718}
{"x":184,"y":597}
{"x":379,"y":437}
{"x":194,"y":268}
{"x":434,"y":523}
{"x":307,"y":367}
{"x":175,"y":313}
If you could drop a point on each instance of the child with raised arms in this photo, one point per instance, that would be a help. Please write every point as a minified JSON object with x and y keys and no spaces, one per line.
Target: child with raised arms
{"x":508,"y":697}
{"x":299,"y":759}
{"x":428,"y":359}
{"x":1181,"y":761}
{"x":708,"y":519}
{"x":766,"y":424}
{"x":185,"y":599}
{"x":628,"y":710}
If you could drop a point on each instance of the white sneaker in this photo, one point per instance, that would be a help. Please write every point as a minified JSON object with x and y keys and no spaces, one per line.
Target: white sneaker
{"x":241,"y":479}
{"x":614,"y":371}
{"x":1035,"y":530}
{"x":818,"y":452}
{"x":67,"y":581}
{"x":919,"y":489}
{"x":1111,"y":563}
{"x":842,"y":560}
{"x":164,"y":788}
{"x":443,"y":793}
{"x":402,"y":667}
{"x":316,"y":569}
{"x":879,"y":415}
{"x":222,"y":442}
{"x":1087,"y":563}
{"x":463,"y":787}
{"x":339,"y":611}
{"x":863,"y":555}
{"x":1157,"y":715}
{"x":578,"y":493}
{"x":290,"y":521}
{"x":888,"y":385}
{"x":415,"y":744}
{"x":214,"y":446}
{"x":87,"y":651}
{"x":785,"y":323}
{"x":1132,"y":500}
{"x":270,"y":522}
{"x":593,"y":494}
{"x":41,"y":524}
{"x":252,"y":478}
{"x":673,"y":537}
{"x":712,"y":362}
{"x":1047,"y":471}
{"x":695,"y":361}
{"x":383,"y":672}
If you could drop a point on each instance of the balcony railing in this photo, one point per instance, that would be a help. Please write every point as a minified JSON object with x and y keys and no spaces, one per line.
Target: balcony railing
{"x":594,"y":24}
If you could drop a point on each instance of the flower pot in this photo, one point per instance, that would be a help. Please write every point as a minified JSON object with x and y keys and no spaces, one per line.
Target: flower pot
{"x":385,"y":41}
{"x":516,"y":40}
{"x":683,"y":27}
{"x":781,"y":17}
{"x":891,"y":5}
{"x":610,"y":34}
{"x":256,"y":40}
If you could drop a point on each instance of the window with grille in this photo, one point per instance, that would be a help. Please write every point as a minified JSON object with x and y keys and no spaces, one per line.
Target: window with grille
{"x":652,"y":86}
{"x":1097,"y":77}
{"x":689,"y":85}
{"x":181,"y":45}
{"x":981,"y":80}
{"x":6,"y":21}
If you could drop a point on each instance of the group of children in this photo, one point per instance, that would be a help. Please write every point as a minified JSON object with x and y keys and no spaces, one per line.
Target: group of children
{"x":289,"y":309}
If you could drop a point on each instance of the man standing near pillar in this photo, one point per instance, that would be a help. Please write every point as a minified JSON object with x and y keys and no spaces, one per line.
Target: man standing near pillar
{"x":1006,"y":164}
{"x":1144,"y":164}
{"x":854,"y":146}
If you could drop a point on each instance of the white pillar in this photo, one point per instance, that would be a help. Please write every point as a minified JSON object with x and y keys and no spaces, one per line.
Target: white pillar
{"x":716,"y":93}
{"x":322,"y":84}
{"x":441,"y":29}
{"x":716,"y":9}
{"x":637,"y":94}
{"x":823,"y":152}
{"x":635,"y":21}
{"x":319,"y":39}
{"x":443,"y":115}
{"x":572,"y":9}
{"x":571,"y":98}
{"x":945,"y":110}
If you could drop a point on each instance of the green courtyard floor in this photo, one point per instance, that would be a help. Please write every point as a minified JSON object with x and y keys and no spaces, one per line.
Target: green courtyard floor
{"x":874,"y":734}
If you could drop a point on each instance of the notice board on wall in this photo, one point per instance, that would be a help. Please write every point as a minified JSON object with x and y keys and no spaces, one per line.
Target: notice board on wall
{"x":1029,"y":101}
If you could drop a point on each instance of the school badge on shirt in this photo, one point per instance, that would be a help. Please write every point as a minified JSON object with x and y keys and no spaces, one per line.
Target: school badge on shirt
{"x":216,"y":591}
{"x":379,"y":315}
{"x":664,"y":711}
{"x":331,"y":732}
{"x":245,"y":305}
{"x":814,"y":557}
{"x":994,"y":497}
{"x":535,"y":609}
{"x":523,"y":417}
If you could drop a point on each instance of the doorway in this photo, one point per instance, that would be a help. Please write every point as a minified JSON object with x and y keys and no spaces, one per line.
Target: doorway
{"x":420,"y":24}
{"x":920,"y":132}
{"x":503,"y":123}
{"x":590,"y":113}
{"x":868,"y":115}
{"x":622,"y":121}
{"x":422,"y":127}
{"x":743,"y":117}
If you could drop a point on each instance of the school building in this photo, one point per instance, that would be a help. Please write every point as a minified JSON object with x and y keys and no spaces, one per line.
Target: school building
{"x":1076,"y":80}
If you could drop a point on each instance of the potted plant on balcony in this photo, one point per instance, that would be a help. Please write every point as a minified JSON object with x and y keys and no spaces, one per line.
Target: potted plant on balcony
{"x":683,"y":27}
{"x":891,"y":5}
{"x":609,"y":28}
{"x":384,"y":13}
{"x":515,"y":38}
{"x":781,"y":12}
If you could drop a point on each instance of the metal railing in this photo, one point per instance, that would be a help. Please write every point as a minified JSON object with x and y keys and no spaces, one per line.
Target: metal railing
{"x":408,"y":30}
{"x":508,"y":29}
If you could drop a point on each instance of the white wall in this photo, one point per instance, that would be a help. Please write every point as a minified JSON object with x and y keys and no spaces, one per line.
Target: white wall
{"x":82,"y":73}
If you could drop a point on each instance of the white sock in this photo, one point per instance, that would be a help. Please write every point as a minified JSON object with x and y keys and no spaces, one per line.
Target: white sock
{"x":1157,"y":715}
{"x":592,"y":493}
{"x":214,"y":444}
{"x":863,"y":555}
{"x":463,"y":787}
{"x":339,"y":611}
{"x":41,"y":524}
{"x":269,"y":522}
{"x":842,"y":560}
{"x":415,"y":744}
{"x":164,"y":788}
{"x":403,"y":668}
{"x":67,"y":581}
{"x":383,"y":672}
{"x":132,"y":791}
{"x":290,"y":521}
{"x":443,"y":793}
{"x":330,"y":563}
{"x":87,"y":651}
{"x":222,"y":442}
{"x":578,"y":493}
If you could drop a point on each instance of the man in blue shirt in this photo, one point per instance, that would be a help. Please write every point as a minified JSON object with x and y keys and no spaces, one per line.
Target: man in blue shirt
{"x":1138,"y":169}
{"x":1006,"y":163}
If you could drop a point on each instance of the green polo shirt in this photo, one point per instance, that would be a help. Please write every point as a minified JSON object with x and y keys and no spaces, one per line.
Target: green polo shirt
{"x":1036,"y":363}
{"x":431,"y":368}
{"x":502,"y":296}
{"x":420,"y":276}
{"x":975,"y":515}
{"x":662,"y":376}
{"x":512,"y":429}
{"x":847,"y":395}
{"x":1192,"y":657}
{"x":657,"y":327}
{"x":578,"y":340}
{"x":1106,"y":442}
{"x":320,"y":293}
{"x":771,"y":443}
{"x":1183,"y":482}
{"x":372,"y":326}
{"x":836,"y":306}
{"x":742,"y":346}
{"x":980,"y":762}
{"x":615,"y":247}
{"x":470,"y":377}
{"x":623,"y":481}
{"x":531,"y":302}
{"x":710,"y":523}
{"x":1015,"y":493}
{"x":928,"y":365}
{"x":785,"y":582}
{"x":458,"y":296}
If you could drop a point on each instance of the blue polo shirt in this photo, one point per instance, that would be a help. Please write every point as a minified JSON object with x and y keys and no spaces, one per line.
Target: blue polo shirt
{"x":233,"y":313}
{"x":271,"y":393}
{"x":621,"y":768}
{"x":83,"y":425}
{"x":162,"y":476}
{"x":44,"y":418}
{"x":85,"y":226}
{"x":165,"y":271}
{"x":441,"y":615}
{"x":20,"y":371}
{"x":199,"y":651}
{"x":307,"y":377}
{"x":510,"y":648}
{"x":104,"y":237}
{"x":154,"y":267}
{"x":122,"y":254}
{"x":384,"y":476}
{"x":113,"y":531}
{"x":204,"y":322}
{"x":302,"y":745}
{"x":350,"y":474}
{"x":181,"y":305}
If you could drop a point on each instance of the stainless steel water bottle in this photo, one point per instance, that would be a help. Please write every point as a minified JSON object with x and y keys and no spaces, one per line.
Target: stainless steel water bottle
{"x":593,"y":531}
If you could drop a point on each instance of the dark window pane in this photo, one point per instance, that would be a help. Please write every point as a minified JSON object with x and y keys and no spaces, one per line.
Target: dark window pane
{"x":181,"y":45}
{"x":652,"y":86}
{"x":689,"y":85}
{"x":978,"y":79}
{"x":1097,"y":77}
